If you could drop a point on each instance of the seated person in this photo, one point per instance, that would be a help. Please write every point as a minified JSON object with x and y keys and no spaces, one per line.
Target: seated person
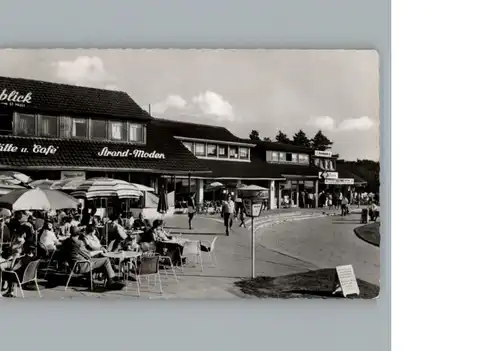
{"x":116,"y":232}
{"x":48,"y":239}
{"x":99,"y":264}
{"x":139,"y":223}
{"x":65,"y":228}
{"x":75,"y":221}
{"x":129,"y":223}
{"x":92,"y":242}
{"x":148,"y":239}
{"x":18,"y":265}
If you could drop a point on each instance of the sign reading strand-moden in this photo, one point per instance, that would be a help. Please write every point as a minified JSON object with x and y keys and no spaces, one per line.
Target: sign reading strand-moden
{"x":136,"y":153}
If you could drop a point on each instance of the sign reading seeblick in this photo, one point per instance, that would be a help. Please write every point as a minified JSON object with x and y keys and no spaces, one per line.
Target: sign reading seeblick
{"x":135,"y":153}
{"x":14,"y":98}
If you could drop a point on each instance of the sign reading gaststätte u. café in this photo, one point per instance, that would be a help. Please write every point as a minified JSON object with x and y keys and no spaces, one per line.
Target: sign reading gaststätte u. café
{"x":34,"y":149}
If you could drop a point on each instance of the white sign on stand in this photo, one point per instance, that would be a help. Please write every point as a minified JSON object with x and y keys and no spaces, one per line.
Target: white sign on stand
{"x":345,"y":277}
{"x":252,"y":209}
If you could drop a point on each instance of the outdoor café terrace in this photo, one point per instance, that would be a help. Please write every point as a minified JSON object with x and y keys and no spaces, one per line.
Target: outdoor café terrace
{"x":59,"y":238}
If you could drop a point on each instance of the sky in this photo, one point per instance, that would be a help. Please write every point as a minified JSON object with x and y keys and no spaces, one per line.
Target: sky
{"x":336,"y":91}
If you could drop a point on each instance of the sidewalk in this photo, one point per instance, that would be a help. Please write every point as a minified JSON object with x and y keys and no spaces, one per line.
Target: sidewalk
{"x":233,"y":255}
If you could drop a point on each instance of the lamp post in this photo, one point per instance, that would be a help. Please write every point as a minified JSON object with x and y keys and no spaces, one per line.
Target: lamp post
{"x":253,"y":197}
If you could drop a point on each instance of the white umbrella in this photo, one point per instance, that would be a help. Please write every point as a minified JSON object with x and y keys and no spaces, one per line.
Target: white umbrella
{"x":37,"y":199}
{"x":216,"y":185}
{"x":67,"y":184}
{"x":14,"y":177}
{"x":43,"y":183}
{"x":6,"y":188}
{"x":143,"y":187}
{"x":106,"y":187}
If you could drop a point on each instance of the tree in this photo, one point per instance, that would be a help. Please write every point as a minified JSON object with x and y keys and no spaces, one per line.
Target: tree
{"x":282,"y":138}
{"x":268,"y":139}
{"x":300,"y":139}
{"x":321,"y":142}
{"x":254,"y":135}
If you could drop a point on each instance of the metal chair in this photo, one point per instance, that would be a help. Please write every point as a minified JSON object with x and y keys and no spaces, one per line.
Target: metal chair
{"x":29,"y":275}
{"x":74,"y":273}
{"x":211,"y":247}
{"x":192,"y":248}
{"x":149,"y":265}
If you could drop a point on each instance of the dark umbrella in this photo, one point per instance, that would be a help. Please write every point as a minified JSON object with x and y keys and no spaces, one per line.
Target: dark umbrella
{"x":162,"y":201}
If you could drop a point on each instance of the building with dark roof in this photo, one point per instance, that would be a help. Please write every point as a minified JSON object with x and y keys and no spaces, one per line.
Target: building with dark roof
{"x":54,"y":131}
{"x":50,"y":130}
{"x":286,"y":170}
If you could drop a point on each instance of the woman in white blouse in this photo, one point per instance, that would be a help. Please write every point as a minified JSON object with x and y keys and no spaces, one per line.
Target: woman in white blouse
{"x":48,"y":239}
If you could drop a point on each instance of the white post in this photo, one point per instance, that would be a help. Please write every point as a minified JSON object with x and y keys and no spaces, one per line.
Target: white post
{"x":200,"y":191}
{"x":253,"y":245}
{"x":272,"y":195}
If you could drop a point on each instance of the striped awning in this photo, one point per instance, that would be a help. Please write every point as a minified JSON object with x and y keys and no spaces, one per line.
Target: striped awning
{"x":106,"y":187}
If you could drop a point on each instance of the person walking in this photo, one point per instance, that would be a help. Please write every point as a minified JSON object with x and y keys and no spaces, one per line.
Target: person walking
{"x":191,"y":210}
{"x":241,"y":214}
{"x":228,"y":213}
{"x":344,"y":207}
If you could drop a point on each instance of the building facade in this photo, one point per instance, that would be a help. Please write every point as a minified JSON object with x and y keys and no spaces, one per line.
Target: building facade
{"x":55,"y":131}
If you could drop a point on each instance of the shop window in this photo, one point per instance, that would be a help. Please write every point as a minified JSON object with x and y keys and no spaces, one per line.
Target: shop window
{"x":288,"y":157}
{"x":233,"y":152}
{"x":65,"y":127}
{"x":79,"y":129}
{"x":200,"y":149}
{"x":295,"y":158}
{"x":25,"y":124}
{"x":118,"y":131}
{"x":274,"y":156}
{"x":211,"y":150}
{"x":98,"y":129}
{"x":136,"y":133}
{"x":188,"y":145}
{"x":304,"y":158}
{"x":317,"y":162}
{"x":244,"y":153}
{"x":282,"y":157}
{"x":223,"y":151}
{"x":47,"y":126}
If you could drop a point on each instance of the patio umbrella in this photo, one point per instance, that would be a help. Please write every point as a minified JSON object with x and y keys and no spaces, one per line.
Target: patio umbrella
{"x":14,"y":177}
{"x":143,"y":187}
{"x":42,"y":184}
{"x":162,"y":201}
{"x":6,"y":188}
{"x":37,"y":199}
{"x":67,"y":184}
{"x":106,"y":187}
{"x":216,"y":185}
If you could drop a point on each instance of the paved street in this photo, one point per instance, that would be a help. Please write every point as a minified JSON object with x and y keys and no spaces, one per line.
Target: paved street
{"x":326,"y":242}
{"x":295,"y":245}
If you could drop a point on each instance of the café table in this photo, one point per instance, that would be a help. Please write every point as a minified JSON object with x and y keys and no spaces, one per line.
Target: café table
{"x":123,"y":257}
{"x":176,"y":247}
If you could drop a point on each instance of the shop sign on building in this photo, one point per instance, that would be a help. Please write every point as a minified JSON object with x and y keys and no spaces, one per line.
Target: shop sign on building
{"x":340,"y":181}
{"x":14,"y":98}
{"x":133,"y":153}
{"x":319,"y":153}
{"x":72,"y":175}
{"x":328,"y":175}
{"x":34,"y":149}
